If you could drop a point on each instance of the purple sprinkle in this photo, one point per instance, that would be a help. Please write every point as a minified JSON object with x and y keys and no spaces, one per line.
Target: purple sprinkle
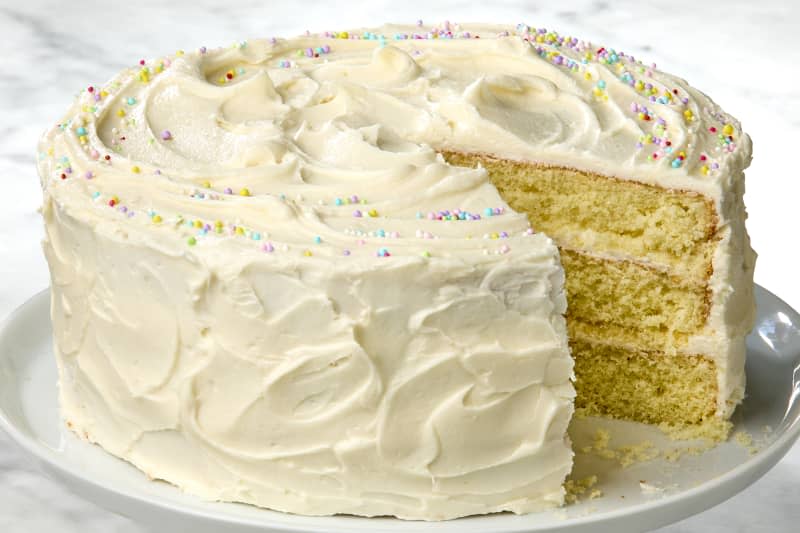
{"x":166,"y":135}
{"x":268,"y":247}
{"x":357,"y":213}
{"x":68,"y":170}
{"x":203,"y":49}
{"x":345,"y":252}
{"x":309,"y":52}
{"x":157,"y":172}
{"x":228,"y":190}
{"x":354,"y":199}
{"x":89,"y":175}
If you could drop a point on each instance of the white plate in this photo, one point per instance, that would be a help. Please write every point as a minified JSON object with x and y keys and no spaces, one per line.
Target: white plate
{"x":29,"y":413}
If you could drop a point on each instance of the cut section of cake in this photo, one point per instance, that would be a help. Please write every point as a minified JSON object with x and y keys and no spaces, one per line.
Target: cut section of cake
{"x":659,"y":285}
{"x":343,"y":273}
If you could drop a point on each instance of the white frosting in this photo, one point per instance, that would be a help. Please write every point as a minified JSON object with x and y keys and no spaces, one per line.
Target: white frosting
{"x":301,"y":350}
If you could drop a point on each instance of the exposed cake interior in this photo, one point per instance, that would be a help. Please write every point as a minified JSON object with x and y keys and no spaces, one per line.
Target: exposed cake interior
{"x":637,"y":260}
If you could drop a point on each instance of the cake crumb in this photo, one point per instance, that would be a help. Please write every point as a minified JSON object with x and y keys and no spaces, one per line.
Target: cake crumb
{"x":578,"y":487}
{"x":626,"y":455}
{"x":637,"y":453}
{"x":745,"y":439}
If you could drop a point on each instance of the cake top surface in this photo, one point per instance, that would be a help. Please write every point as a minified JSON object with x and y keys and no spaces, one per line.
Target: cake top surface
{"x":325,"y":145}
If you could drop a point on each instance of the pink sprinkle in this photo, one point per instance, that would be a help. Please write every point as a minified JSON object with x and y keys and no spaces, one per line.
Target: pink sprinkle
{"x":268,"y":247}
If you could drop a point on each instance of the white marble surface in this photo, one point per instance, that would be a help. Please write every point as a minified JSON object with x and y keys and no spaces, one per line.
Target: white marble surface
{"x":743,"y":53}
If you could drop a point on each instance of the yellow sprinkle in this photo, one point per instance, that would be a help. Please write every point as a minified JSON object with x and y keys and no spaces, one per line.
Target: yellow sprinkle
{"x":239,"y":230}
{"x":373,"y":212}
{"x":688,"y":114}
{"x":307,"y":253}
{"x":179,"y":53}
{"x":495,"y":236}
{"x":206,"y":184}
{"x":727,"y":129}
{"x":121,"y":113}
{"x":218,"y":223}
{"x":704,"y":170}
{"x":135,"y":169}
{"x":103,"y":94}
{"x":588,"y":75}
{"x":639,"y":85}
{"x":344,"y":35}
{"x":198,"y":223}
{"x":221,"y":80}
{"x":244,"y":192}
{"x":157,"y":219}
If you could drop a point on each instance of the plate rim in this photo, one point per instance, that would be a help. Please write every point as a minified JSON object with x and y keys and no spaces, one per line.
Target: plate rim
{"x":722,"y":487}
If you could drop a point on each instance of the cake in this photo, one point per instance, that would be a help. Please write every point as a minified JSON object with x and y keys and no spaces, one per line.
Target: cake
{"x":358,"y":272}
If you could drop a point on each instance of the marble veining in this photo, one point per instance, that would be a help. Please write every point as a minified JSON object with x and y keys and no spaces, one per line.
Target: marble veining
{"x":741,"y":55}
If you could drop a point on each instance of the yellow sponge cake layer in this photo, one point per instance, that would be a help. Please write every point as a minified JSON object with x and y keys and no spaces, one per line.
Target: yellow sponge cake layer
{"x":644,"y":386}
{"x":631,"y":295}
{"x":607,"y":215}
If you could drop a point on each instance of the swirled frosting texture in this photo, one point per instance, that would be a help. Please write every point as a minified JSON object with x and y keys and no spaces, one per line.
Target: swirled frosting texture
{"x":268,"y":287}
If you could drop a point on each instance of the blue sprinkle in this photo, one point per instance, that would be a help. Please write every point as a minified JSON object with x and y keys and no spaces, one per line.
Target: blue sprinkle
{"x":256,"y":236}
{"x":601,"y":84}
{"x":338,"y":201}
{"x":318,"y":239}
{"x":488,"y":212}
{"x":81,"y":131}
{"x":131,"y":100}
